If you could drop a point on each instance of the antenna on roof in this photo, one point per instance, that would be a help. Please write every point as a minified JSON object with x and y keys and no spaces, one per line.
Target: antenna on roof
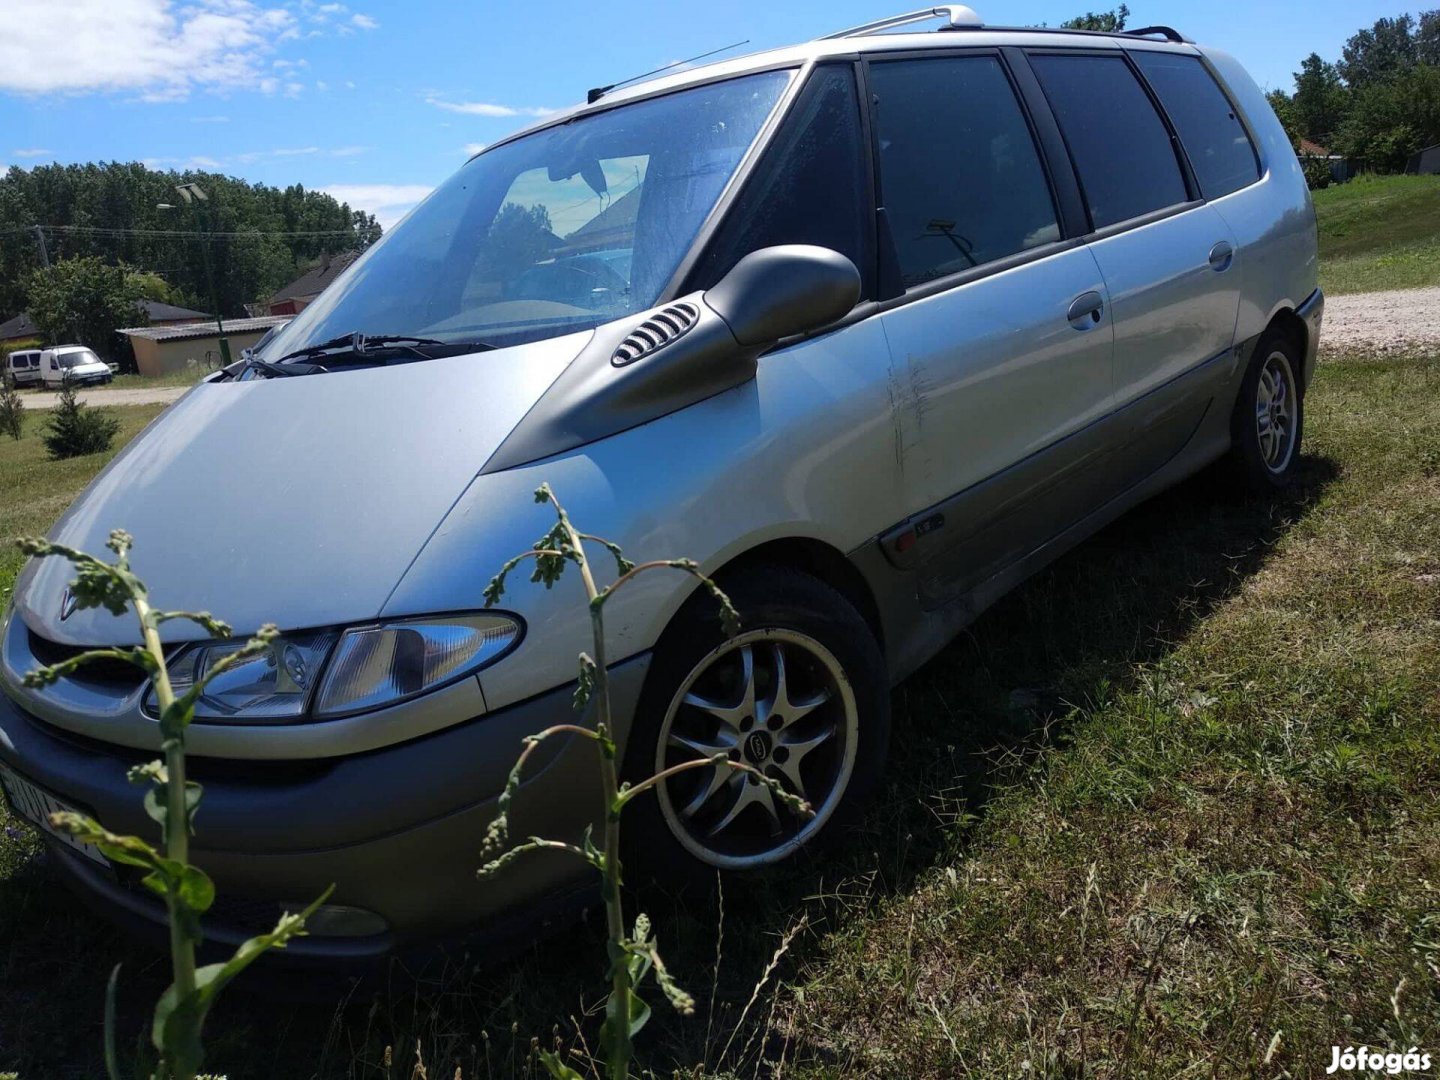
{"x":596,"y":93}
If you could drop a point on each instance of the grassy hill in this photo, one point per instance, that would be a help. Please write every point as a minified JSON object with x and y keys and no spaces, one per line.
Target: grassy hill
{"x":1379,"y":232}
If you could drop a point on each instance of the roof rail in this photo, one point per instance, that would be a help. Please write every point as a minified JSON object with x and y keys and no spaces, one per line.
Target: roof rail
{"x":959,"y":17}
{"x":1169,"y":33}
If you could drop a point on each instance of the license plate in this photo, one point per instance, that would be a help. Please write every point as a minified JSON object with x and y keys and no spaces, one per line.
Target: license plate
{"x":36,"y":806}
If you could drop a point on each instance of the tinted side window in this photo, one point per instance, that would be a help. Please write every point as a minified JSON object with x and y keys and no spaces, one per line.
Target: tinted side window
{"x":1220,"y":152}
{"x":810,"y":189}
{"x":1120,"y":146}
{"x":960,"y":178}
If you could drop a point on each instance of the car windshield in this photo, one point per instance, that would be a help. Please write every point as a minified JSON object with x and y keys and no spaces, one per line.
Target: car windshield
{"x":558,"y":231}
{"x":76,"y":359}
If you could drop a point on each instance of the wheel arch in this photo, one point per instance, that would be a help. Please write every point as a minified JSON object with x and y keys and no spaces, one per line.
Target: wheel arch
{"x":807,"y":555}
{"x":1287,"y":321}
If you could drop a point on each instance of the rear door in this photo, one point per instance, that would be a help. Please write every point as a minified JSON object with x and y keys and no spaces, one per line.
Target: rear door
{"x":1169,"y":260}
{"x":997,"y":319}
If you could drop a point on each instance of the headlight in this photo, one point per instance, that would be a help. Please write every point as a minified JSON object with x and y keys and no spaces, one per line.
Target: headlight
{"x":331,"y":673}
{"x":380,"y":665}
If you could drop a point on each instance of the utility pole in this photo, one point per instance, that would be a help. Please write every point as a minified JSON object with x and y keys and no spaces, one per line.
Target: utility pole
{"x":44,"y":253}
{"x":195,"y":195}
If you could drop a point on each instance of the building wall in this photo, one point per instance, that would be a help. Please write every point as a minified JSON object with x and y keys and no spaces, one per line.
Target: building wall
{"x":162,"y":357}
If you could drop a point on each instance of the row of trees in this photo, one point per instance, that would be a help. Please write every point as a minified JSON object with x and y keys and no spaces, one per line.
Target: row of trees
{"x":110,"y":211}
{"x":1379,"y":103}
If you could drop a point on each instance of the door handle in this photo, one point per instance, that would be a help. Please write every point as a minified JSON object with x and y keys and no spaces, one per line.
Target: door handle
{"x":1221,"y":256}
{"x":1086,"y":311}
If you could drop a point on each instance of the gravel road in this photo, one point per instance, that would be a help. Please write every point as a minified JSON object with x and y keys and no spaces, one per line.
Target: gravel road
{"x":1387,"y":321}
{"x":105,"y":395}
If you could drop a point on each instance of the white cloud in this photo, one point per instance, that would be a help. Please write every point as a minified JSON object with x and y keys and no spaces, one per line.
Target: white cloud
{"x":198,"y":161}
{"x":249,"y":157}
{"x":31,"y":153}
{"x":484,"y":108}
{"x":365,"y":22}
{"x":158,"y":47}
{"x":388,"y":202}
{"x":472,"y":148}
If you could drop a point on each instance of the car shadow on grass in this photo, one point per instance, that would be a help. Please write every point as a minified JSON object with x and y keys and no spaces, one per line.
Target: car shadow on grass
{"x":1078,"y":632}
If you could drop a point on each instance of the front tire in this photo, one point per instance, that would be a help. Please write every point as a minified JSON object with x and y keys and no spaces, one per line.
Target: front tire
{"x":800,"y":694}
{"x":1268,"y":424}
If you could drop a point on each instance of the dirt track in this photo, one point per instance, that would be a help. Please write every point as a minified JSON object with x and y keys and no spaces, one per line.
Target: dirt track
{"x":108,"y":395}
{"x":1388,"y":321}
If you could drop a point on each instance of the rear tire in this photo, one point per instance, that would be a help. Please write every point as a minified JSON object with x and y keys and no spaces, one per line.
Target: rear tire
{"x":1267,"y":426}
{"x":800,"y":694}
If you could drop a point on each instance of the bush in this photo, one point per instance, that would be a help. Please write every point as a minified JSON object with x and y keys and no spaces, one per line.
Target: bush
{"x":12,"y":409}
{"x":74,"y":430}
{"x":1316,"y":170}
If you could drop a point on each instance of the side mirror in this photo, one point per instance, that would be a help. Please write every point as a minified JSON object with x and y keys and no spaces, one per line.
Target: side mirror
{"x":777,"y":292}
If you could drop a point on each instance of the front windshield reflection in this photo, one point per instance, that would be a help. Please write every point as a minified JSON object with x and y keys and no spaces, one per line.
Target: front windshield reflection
{"x":558,"y":231}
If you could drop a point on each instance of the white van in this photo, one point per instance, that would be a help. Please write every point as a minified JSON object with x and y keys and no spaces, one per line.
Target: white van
{"x":24,"y":367}
{"x":74,"y":363}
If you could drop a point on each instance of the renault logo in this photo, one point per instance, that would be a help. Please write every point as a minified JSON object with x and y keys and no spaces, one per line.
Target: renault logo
{"x":67,"y":604}
{"x":757,"y":747}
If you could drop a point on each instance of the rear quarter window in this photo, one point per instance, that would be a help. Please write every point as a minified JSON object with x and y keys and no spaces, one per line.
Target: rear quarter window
{"x":1215,"y":140}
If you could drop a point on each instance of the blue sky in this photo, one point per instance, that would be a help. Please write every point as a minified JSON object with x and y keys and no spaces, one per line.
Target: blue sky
{"x":378,"y":100}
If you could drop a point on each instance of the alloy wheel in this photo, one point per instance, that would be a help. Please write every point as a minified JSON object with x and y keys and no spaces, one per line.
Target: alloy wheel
{"x":1275,"y":412}
{"x":779,"y":701}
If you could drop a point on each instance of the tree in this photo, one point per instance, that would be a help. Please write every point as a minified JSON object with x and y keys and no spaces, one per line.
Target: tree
{"x":1284,"y":108}
{"x":110,"y":211}
{"x":154,"y":287}
{"x":519,"y":237}
{"x":1388,"y":121}
{"x":1320,"y":100}
{"x":1427,"y":38}
{"x":1109,"y":22}
{"x":12,"y":408}
{"x":1375,"y":55}
{"x":74,"y":430}
{"x":83,"y":301}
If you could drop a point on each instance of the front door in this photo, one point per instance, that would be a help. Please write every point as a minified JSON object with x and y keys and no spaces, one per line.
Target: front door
{"x":1002,"y":351}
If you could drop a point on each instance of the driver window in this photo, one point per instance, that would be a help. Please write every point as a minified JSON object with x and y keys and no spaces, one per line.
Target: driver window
{"x":811,"y":187}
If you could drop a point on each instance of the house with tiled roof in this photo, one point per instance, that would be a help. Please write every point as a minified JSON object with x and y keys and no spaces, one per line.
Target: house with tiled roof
{"x":23,"y":328}
{"x":293,"y":298}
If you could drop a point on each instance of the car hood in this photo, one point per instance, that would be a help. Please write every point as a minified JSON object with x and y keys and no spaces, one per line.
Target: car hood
{"x":81,"y":371}
{"x":299,"y":501}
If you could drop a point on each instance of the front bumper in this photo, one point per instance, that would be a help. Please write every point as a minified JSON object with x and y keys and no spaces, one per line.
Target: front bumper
{"x":396,"y":830}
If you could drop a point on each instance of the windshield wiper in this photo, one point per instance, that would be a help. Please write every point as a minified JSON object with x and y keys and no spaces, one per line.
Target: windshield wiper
{"x":274,"y":371}
{"x":359,"y":344}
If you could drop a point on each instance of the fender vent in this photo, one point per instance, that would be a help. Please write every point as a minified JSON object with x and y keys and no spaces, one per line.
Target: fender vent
{"x":660,"y":329}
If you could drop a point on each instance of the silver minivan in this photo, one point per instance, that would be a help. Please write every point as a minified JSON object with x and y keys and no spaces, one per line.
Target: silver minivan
{"x":873,"y":328}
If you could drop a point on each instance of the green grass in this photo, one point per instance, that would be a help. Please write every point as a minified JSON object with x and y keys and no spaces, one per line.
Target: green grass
{"x":1379,"y":232}
{"x":34,"y":490}
{"x":1169,"y":809}
{"x":185,"y":377}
